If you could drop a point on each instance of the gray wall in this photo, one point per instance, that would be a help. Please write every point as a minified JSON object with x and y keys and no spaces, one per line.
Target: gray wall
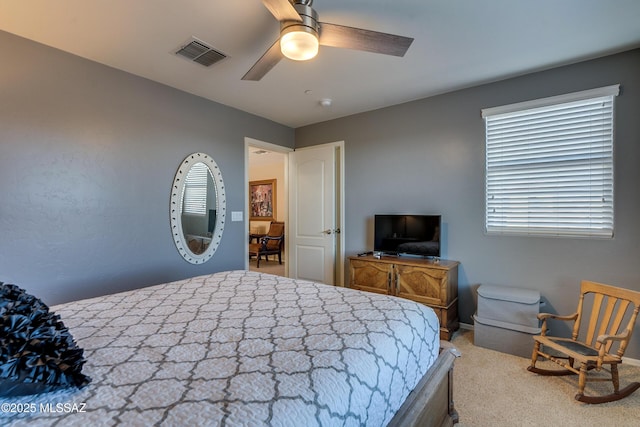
{"x":428,"y":156}
{"x":87,"y":159}
{"x":88,"y":155}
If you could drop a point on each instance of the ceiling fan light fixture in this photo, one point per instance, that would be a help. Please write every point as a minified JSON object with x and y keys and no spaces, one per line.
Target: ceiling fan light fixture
{"x":301,"y":33}
{"x":299,"y":39}
{"x":299,"y":43}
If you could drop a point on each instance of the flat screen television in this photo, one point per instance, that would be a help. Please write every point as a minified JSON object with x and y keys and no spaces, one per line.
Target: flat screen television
{"x":407,"y":235}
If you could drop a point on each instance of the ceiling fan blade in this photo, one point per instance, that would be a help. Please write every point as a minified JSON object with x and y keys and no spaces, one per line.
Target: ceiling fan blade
{"x":356,"y":38}
{"x":282,"y":10}
{"x":266,"y":62}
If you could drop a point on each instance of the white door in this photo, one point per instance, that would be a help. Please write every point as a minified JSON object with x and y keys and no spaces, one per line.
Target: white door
{"x":313,"y":213}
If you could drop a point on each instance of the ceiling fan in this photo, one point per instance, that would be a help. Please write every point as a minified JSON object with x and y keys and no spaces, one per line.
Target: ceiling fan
{"x":301,"y":33}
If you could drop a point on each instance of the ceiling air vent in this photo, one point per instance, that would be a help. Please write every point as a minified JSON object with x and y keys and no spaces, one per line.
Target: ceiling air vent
{"x":198,"y":51}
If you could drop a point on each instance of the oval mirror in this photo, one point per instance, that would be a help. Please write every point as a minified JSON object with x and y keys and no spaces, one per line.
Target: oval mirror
{"x":198,"y":208}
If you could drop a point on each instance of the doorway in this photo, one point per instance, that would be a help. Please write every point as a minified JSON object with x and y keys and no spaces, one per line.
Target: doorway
{"x":332,"y":229}
{"x":266,"y":169}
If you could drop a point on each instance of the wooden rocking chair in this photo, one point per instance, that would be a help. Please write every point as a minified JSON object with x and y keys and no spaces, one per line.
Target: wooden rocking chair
{"x":611,"y":306}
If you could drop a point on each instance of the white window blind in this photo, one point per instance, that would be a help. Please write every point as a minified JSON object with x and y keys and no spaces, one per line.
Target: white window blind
{"x":194,"y":201}
{"x":549,"y":166}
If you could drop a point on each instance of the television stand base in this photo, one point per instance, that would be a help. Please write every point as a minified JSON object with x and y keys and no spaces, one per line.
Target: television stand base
{"x":430,"y":282}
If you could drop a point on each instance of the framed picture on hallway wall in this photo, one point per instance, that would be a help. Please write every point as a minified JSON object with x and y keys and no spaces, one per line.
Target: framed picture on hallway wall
{"x":262,"y":200}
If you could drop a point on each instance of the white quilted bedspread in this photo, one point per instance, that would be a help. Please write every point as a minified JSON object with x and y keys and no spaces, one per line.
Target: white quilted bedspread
{"x":239,"y":349}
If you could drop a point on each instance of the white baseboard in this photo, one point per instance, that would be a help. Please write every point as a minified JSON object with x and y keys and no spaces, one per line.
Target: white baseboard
{"x":630,"y":361}
{"x":627,"y":360}
{"x":466,"y":326}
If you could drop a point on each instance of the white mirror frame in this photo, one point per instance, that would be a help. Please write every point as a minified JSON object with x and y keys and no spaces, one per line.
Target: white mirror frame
{"x":176,"y":208}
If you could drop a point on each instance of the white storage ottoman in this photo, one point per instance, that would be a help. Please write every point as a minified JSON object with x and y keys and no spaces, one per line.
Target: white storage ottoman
{"x":506,"y":319}
{"x":510,"y":305}
{"x":505,"y":337}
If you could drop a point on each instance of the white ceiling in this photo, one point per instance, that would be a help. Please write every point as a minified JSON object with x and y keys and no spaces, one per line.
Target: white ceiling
{"x":458,"y":43}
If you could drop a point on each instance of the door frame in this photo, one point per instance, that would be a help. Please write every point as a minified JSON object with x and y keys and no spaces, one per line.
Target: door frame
{"x":250,"y":142}
{"x":340,"y":201}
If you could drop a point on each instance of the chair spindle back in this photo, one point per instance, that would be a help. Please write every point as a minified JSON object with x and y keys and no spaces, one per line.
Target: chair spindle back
{"x":611,"y":306}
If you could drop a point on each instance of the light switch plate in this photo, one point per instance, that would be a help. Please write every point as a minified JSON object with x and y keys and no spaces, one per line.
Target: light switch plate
{"x":236,"y":216}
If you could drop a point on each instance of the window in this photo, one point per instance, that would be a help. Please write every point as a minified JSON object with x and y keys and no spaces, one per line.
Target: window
{"x":549,"y":166}
{"x":194,"y":201}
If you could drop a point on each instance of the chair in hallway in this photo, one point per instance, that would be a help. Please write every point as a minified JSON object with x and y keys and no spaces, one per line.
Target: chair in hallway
{"x":271,"y":244}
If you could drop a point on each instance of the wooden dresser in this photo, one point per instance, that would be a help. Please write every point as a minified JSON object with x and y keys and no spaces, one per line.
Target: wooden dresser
{"x":433,"y":283}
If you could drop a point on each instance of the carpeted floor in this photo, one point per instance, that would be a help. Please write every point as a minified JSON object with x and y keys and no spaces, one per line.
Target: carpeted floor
{"x":271,"y":266}
{"x":495,"y":389}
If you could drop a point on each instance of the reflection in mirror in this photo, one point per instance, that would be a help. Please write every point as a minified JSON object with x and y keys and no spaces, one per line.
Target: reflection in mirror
{"x":197,"y":208}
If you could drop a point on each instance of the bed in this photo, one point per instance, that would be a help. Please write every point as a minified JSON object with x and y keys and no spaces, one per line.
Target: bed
{"x":240,"y":348}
